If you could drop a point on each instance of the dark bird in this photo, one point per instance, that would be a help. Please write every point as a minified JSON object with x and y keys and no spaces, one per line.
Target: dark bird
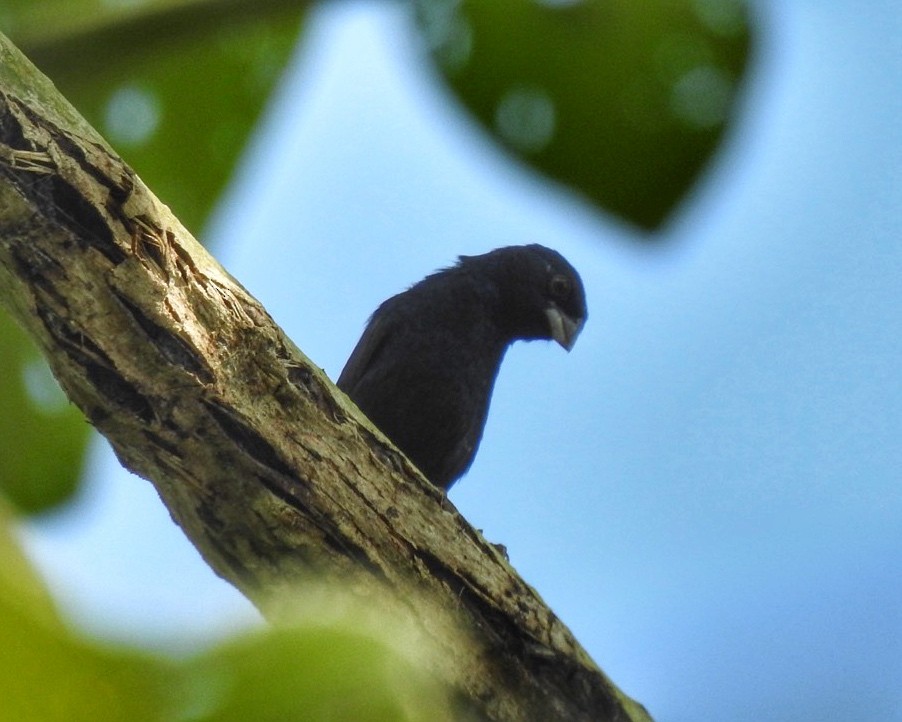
{"x":424,"y":369}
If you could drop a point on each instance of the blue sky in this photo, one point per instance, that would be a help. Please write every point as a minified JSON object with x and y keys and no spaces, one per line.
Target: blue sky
{"x":707,"y":489}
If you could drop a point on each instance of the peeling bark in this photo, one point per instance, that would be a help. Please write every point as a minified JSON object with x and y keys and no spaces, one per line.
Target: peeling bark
{"x":271,"y":472}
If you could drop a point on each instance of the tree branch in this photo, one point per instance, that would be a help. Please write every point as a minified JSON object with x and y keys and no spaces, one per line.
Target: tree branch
{"x":270,"y":471}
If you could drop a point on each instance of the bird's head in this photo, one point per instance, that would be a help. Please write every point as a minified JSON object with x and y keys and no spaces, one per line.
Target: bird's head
{"x":542,"y":295}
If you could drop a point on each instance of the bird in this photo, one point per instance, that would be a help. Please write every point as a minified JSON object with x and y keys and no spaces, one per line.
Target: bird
{"x":424,"y":369}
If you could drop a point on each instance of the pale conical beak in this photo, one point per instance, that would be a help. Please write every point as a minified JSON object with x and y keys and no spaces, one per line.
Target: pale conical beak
{"x":564,"y":329}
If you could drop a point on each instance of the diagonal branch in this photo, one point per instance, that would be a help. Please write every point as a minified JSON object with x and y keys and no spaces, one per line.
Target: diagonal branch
{"x":270,"y":471}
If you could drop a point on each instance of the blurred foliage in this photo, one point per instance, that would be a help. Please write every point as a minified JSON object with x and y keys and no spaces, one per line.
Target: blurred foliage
{"x":327,"y":673}
{"x":331,"y":668}
{"x":42,"y":436}
{"x":622,"y":101}
{"x":47,"y":674}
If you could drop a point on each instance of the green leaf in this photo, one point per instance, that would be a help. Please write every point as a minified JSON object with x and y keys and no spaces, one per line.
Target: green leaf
{"x":338,"y":662}
{"x":47,"y":674}
{"x":332,"y":672}
{"x":624,"y":101}
{"x":20,"y":585}
{"x":42,"y":435}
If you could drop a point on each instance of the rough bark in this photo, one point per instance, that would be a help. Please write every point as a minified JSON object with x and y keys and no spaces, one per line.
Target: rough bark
{"x":270,"y":471}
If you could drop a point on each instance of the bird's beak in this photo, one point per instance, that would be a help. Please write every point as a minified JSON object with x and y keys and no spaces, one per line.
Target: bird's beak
{"x":564,"y":329}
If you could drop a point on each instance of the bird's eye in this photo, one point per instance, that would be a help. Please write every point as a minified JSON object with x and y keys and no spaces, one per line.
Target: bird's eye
{"x":559,"y":286}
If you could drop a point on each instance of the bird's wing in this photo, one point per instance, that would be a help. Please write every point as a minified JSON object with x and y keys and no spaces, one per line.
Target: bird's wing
{"x":372,"y":341}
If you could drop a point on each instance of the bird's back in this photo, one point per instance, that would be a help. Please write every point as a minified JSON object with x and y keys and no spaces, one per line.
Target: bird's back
{"x":423,"y":372}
